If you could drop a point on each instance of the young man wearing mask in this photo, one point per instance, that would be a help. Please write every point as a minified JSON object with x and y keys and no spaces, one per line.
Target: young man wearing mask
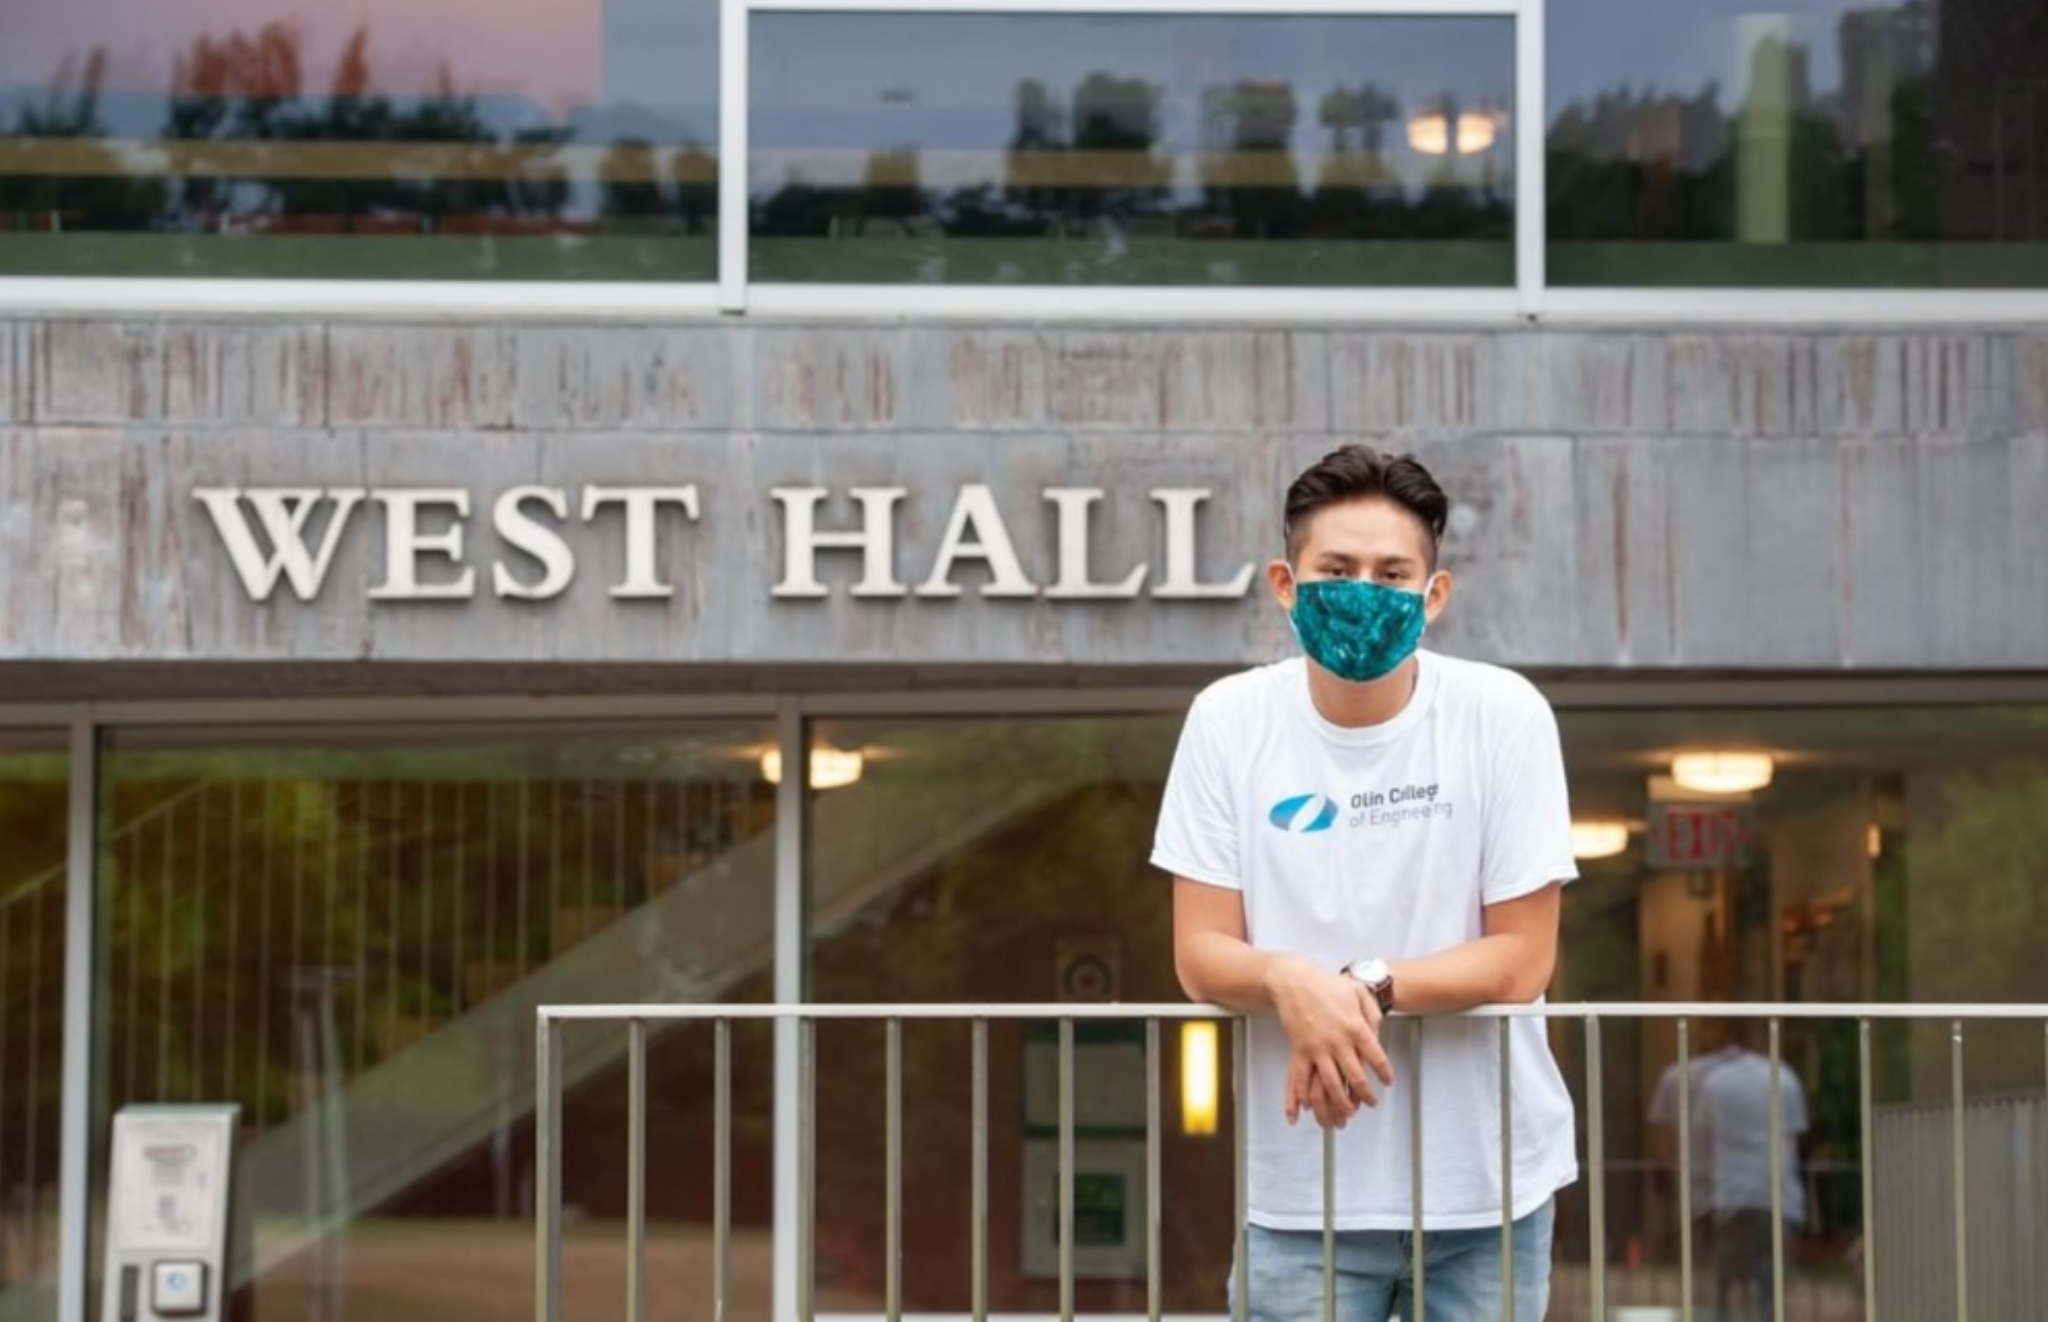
{"x":1377,"y":828}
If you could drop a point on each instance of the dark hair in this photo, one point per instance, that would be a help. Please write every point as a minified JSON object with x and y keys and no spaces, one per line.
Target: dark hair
{"x":1358,"y":472}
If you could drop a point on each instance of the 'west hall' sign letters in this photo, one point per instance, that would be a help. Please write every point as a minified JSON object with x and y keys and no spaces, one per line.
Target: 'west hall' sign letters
{"x":301,"y":529}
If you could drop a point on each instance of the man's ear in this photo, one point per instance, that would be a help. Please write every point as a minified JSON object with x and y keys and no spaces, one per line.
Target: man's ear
{"x":1438,"y":596}
{"x":1280,"y":578}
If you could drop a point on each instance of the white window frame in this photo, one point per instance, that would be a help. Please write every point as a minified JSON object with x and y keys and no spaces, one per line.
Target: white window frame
{"x":1530,"y":300}
{"x":1507,"y":303}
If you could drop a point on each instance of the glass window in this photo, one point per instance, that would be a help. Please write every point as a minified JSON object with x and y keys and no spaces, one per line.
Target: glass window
{"x":34,"y":815}
{"x":1807,"y":142}
{"x":1132,"y":150}
{"x":992,"y":860}
{"x":448,"y":139}
{"x":1892,"y":857}
{"x":347,"y":931}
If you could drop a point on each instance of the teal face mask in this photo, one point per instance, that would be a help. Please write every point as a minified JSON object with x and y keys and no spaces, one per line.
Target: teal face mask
{"x":1356,"y":629}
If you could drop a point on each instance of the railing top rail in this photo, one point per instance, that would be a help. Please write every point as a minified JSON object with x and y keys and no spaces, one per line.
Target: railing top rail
{"x":1140,"y":1010}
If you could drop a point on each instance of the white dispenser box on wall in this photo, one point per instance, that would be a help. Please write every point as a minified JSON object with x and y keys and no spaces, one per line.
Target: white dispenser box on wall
{"x":170,"y":1175}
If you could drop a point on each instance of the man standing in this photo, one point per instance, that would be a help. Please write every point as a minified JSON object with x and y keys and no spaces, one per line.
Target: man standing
{"x":1377,"y":828}
{"x":1731,"y":1164}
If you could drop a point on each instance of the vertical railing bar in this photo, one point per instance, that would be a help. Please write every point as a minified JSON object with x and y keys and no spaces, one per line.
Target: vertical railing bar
{"x":332,"y":806}
{"x":362,"y":987}
{"x":1962,"y":1180}
{"x":230,"y":1013}
{"x":1507,"y":1172}
{"x":32,"y":1145}
{"x":1777,"y":1169}
{"x":168,"y":893}
{"x":1240,"y":1093}
{"x":394,"y":936}
{"x":555,"y":797}
{"x":1153,"y":1284}
{"x":547,"y":1131}
{"x":85,"y":996}
{"x":893,"y":1196}
{"x":980,"y":1210}
{"x":428,"y":849}
{"x":1869,"y":1181}
{"x":1329,"y":1223}
{"x":585,"y":810}
{"x":520,"y":941}
{"x":1066,"y":1170}
{"x":1596,"y":1144}
{"x":619,"y":848}
{"x":807,"y":1170}
{"x":1685,"y":1170}
{"x":721,"y":1210}
{"x":7,"y":944}
{"x":1417,"y":1232}
{"x":197,"y":1049}
{"x":636,"y":1170}
{"x":266,"y":939}
{"x":457,"y":905}
{"x":490,"y":942}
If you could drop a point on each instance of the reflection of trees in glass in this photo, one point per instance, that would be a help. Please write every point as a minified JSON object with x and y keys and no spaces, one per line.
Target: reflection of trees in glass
{"x":1119,"y":118}
{"x":95,"y":193}
{"x":1248,"y":172}
{"x":1788,"y":162}
{"x":646,"y":184}
{"x":349,"y":159}
{"x":1094,"y":159}
{"x":245,"y":88}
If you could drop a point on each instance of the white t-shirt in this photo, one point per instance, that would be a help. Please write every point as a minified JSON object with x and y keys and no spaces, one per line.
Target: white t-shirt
{"x":1731,"y":1131}
{"x":1385,"y":841}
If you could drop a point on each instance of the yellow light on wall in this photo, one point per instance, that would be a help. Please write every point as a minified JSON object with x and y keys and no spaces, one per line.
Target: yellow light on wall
{"x":1199,"y":1077}
{"x":1598,"y":839}
{"x":1722,"y":771}
{"x":831,"y":768}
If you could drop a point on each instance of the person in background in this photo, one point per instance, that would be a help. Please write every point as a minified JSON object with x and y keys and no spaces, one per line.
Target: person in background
{"x":1731,"y":1163}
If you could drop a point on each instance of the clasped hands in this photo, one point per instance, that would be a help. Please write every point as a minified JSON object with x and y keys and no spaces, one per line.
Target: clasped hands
{"x":1333,"y":1029}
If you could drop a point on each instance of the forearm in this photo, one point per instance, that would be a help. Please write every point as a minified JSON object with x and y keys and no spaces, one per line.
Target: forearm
{"x":1493,"y":970}
{"x":1228,"y":971}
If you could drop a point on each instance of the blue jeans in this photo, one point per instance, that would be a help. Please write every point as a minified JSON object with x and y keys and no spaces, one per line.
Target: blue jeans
{"x":1374,"y":1279}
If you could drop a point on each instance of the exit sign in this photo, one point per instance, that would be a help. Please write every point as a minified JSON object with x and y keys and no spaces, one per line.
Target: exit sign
{"x":1701,"y":836}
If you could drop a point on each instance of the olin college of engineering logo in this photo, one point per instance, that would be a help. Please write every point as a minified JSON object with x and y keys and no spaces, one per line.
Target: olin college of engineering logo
{"x":1304,"y":814}
{"x":1393,"y":806}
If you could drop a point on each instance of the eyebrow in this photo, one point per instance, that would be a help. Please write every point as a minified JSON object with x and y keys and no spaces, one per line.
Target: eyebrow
{"x":1395,"y":561}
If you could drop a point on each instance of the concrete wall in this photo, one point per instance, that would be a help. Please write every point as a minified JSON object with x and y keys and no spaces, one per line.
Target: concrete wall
{"x":1698,"y":500}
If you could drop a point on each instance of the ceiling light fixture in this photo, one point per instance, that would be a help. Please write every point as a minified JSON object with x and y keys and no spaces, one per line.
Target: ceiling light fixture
{"x":831,"y":768}
{"x":1722,"y":770}
{"x":1598,"y":839}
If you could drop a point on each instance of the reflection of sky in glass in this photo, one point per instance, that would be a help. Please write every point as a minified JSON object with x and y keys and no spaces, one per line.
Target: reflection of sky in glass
{"x":868,"y":81}
{"x":1682,"y":46}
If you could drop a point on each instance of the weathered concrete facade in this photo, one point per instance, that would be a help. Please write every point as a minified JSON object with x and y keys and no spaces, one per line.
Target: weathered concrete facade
{"x":1634,"y":499}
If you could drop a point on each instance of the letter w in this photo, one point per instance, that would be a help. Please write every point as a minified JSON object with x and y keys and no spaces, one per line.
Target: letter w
{"x":283,"y":512}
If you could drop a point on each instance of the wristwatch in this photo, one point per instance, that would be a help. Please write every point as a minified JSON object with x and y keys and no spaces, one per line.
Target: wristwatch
{"x":1375,"y":977}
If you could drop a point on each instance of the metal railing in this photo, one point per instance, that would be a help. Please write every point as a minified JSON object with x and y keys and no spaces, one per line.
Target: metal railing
{"x":551,"y":1022}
